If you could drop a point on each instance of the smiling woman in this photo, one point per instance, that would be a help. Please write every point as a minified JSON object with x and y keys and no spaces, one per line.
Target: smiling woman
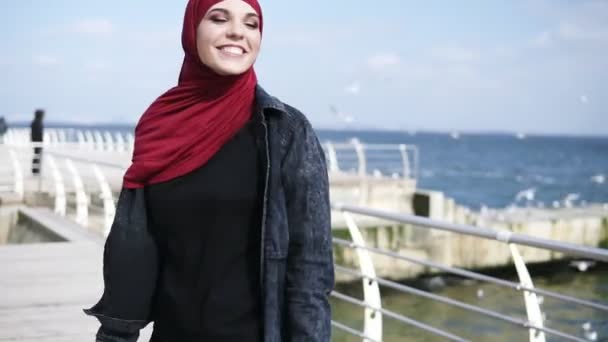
{"x":222,"y":229}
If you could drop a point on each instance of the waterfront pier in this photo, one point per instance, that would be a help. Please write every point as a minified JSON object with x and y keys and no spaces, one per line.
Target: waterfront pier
{"x":52,"y":229}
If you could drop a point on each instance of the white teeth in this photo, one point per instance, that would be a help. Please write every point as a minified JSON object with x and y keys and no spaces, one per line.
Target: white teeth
{"x":233,"y":50}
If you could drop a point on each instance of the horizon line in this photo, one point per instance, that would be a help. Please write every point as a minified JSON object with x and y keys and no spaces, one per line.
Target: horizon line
{"x":56,"y":124}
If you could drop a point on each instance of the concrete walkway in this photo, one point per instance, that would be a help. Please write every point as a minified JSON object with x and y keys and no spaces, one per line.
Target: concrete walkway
{"x":44,"y":287}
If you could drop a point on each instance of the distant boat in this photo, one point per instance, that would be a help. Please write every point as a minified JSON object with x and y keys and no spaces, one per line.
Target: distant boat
{"x":455,"y":135}
{"x":521,"y":136}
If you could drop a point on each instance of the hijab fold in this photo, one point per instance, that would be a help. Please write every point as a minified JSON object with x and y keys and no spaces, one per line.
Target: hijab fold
{"x":189,"y":123}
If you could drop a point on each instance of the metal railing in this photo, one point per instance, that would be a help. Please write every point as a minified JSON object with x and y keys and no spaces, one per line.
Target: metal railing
{"x":84,"y":139}
{"x":378,"y":160}
{"x":72,"y":157}
{"x":77,"y":173}
{"x":77,"y":183}
{"x":353,"y":157}
{"x":534,"y":323}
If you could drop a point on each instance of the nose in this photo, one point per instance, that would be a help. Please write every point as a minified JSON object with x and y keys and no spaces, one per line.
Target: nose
{"x":236,"y":30}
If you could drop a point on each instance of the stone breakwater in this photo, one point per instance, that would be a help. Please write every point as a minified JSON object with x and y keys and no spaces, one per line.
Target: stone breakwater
{"x":581,"y":225}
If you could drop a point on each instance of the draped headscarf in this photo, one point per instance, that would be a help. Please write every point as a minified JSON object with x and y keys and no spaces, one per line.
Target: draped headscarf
{"x":189,"y":123}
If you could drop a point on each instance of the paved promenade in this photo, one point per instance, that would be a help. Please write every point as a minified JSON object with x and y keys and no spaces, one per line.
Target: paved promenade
{"x":44,"y":287}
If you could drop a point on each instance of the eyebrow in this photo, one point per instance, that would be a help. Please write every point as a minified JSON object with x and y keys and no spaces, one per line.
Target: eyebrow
{"x":226,"y":12}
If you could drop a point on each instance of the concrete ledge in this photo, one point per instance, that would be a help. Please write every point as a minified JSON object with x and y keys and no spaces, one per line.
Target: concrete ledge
{"x":59,"y":226}
{"x":9,"y":198}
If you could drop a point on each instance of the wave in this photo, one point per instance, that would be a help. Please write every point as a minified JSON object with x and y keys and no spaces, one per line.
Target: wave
{"x":599,"y":178}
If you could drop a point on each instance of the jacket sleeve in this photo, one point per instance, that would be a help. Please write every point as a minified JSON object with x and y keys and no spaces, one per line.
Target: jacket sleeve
{"x":130,"y":268}
{"x":310,"y":271}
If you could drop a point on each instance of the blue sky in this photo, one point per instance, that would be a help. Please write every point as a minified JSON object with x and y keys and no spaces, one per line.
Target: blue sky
{"x":535,"y":66}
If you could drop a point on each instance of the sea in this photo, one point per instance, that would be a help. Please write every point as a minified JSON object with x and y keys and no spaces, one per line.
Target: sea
{"x":501,"y":170}
{"x":484,"y":170}
{"x":585,"y":323}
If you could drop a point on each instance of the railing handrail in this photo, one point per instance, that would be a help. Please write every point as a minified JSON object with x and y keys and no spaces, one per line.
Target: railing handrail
{"x":504,"y":236}
{"x":374,"y":146}
{"x":476,"y":276}
{"x":462,"y":305}
{"x":352,"y":331}
{"x":399,"y":317}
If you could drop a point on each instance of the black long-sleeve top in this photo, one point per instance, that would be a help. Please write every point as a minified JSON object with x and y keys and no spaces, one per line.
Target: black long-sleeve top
{"x":207,"y":227}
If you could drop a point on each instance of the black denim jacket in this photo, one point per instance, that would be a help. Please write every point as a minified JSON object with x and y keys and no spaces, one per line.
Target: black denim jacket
{"x":296,"y":266}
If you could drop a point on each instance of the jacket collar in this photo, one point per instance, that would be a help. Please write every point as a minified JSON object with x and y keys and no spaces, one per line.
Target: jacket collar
{"x":266,"y":103}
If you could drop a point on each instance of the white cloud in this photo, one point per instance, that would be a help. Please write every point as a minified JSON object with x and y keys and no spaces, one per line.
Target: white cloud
{"x":95,"y":27}
{"x":324,"y":36}
{"x":156,"y":39}
{"x":353,"y":88}
{"x":383,"y":61}
{"x":503,"y":51}
{"x":45,"y":60}
{"x":96,"y":66}
{"x":457,"y":54}
{"x":568,"y":33}
{"x":543,"y":39}
{"x":573,"y":32}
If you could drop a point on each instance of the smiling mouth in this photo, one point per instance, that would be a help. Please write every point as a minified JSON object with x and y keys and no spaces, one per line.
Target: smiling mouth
{"x":231,"y":50}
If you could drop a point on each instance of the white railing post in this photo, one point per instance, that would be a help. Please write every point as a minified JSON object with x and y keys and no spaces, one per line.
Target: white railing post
{"x":8,"y":137}
{"x":14,"y":137}
{"x":109,"y":143}
{"x":53,"y":137}
{"x":332,"y":157}
{"x":371,"y":290}
{"x":60,"y":200}
{"x":82,"y":209}
{"x":120,"y":142}
{"x":80,"y":139}
{"x":406,"y":161}
{"x":416,"y":173}
{"x":108,"y":201}
{"x":46,"y":138}
{"x":62,"y":136}
{"x":130,"y":142}
{"x":25,"y":136}
{"x":533,"y":311}
{"x":18,"y":175}
{"x":362,"y":170}
{"x":98,"y":141}
{"x":89,"y":138}
{"x":17,"y":136}
{"x":360,"y":150}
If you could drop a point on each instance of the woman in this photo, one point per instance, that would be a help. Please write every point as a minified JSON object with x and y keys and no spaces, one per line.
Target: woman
{"x":222,"y":230}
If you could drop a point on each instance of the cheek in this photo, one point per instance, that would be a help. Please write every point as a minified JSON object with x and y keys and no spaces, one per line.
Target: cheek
{"x":204,"y":39}
{"x":256,"y":41}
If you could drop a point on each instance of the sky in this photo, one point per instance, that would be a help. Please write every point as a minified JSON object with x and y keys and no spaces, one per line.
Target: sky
{"x":530,"y":66}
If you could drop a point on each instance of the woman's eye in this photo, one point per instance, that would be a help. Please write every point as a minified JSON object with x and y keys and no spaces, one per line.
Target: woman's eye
{"x":218,"y":19}
{"x":252,"y":25}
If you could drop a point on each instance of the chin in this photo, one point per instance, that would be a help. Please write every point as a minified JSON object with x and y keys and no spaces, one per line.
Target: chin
{"x":231,"y":71}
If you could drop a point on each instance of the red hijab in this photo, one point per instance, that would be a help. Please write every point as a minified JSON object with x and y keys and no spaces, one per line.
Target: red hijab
{"x":188,"y":124}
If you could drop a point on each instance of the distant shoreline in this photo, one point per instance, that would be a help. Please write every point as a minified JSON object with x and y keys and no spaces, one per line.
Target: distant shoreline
{"x":22,"y":124}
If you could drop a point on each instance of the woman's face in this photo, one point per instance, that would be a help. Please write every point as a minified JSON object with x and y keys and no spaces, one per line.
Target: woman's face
{"x":228,"y":38}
